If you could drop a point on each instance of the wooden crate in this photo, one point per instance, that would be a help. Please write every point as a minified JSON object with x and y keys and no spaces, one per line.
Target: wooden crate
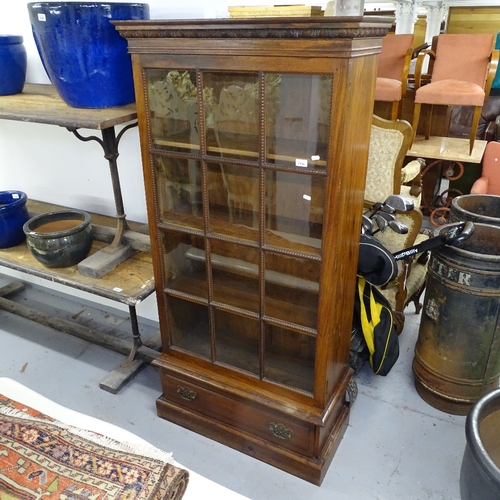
{"x":276,"y":11}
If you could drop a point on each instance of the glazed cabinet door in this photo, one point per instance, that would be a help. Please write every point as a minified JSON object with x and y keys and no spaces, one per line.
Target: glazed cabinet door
{"x":239,"y":169}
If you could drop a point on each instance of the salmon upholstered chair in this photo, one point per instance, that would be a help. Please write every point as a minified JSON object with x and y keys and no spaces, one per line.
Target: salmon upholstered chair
{"x":393,"y":67}
{"x":463,"y":69}
{"x":489,"y":182}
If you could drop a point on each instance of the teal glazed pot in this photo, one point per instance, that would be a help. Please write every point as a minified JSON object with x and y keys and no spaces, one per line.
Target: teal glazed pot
{"x":83,"y":54}
{"x":59,"y":239}
{"x":13,"y":64}
{"x":13,"y":215}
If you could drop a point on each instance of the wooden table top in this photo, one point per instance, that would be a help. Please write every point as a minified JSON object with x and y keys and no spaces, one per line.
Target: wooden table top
{"x":40,"y":103}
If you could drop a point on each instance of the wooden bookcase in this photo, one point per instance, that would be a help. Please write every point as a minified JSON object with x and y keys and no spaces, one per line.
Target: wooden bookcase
{"x":254,"y":139}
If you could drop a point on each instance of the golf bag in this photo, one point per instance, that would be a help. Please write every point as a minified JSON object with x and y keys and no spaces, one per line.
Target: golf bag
{"x":374,"y":336}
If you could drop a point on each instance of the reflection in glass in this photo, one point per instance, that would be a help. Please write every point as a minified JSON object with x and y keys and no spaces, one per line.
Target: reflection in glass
{"x":184,"y":263}
{"x":294,"y":210}
{"x":237,"y":341}
{"x":235,"y":272}
{"x":231,"y":103}
{"x":179,"y":190}
{"x":173,"y":110}
{"x":189,"y":326}
{"x":291,"y":289}
{"x":297,"y":119}
{"x":289,"y":358}
{"x":233,"y":199}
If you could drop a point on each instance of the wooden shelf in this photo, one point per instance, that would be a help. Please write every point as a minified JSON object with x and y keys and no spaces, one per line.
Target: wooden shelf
{"x":224,"y":152}
{"x":129,"y":283}
{"x":39,"y":103}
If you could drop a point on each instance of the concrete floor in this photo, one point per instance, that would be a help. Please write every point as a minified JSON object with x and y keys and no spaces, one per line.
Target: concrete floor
{"x":396,"y":445}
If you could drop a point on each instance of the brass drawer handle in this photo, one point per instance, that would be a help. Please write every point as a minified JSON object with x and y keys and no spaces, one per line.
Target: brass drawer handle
{"x":280,"y":431}
{"x":186,"y":393}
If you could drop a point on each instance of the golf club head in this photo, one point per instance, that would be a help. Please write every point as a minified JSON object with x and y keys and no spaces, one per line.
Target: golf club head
{"x":381,"y":222}
{"x":374,"y":208}
{"x":400,"y":202}
{"x":387,"y":209}
{"x":398,"y":227}
{"x":387,"y":216}
{"x":366,"y":225}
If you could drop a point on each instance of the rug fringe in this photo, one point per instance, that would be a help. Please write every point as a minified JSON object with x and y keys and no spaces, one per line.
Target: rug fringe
{"x":144,"y":449}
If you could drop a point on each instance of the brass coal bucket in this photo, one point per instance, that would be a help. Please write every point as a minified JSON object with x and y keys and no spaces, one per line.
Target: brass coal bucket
{"x":457,"y":353}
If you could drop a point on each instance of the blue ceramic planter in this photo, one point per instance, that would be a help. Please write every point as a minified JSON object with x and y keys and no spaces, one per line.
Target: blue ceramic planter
{"x":84,"y":56}
{"x":13,"y":215}
{"x":59,"y":239}
{"x":13,"y":64}
{"x":480,"y":471}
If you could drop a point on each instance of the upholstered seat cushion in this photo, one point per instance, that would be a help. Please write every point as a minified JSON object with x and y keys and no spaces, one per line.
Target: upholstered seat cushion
{"x":451,"y":92}
{"x":388,"y":89}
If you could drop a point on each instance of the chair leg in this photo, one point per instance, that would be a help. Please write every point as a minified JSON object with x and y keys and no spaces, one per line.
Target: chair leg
{"x":429,"y":123}
{"x":395,"y":110}
{"x":473,"y":128}
{"x":416,"y":118}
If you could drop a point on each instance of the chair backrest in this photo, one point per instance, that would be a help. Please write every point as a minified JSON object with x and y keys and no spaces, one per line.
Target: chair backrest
{"x":392,"y":57}
{"x":463,"y":57}
{"x":491,"y":167}
{"x":389,"y":143}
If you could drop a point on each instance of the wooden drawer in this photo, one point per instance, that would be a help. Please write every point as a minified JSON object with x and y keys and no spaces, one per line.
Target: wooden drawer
{"x":272,"y":426}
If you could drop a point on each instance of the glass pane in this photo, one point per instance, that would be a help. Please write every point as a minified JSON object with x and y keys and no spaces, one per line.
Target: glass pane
{"x":235,"y":271}
{"x":188,"y":326}
{"x":178,"y":183}
{"x":233,"y":199}
{"x":297,"y":119}
{"x":294,"y":211}
{"x":231,"y":102}
{"x":292,"y":287}
{"x":237,"y":341}
{"x":173,"y":110}
{"x":289,"y":358}
{"x":184,"y":263}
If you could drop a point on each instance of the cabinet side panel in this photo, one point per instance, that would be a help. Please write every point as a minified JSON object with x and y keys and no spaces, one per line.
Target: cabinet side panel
{"x":353,"y":91}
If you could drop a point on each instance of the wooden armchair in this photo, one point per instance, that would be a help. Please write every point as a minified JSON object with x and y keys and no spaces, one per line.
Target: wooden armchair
{"x":389,"y":143}
{"x":410,"y":281}
{"x":463,"y":69}
{"x":489,"y":182}
{"x":393,"y":68}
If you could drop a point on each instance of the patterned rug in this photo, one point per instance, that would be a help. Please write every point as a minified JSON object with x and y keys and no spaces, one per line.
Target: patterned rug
{"x":45,"y":459}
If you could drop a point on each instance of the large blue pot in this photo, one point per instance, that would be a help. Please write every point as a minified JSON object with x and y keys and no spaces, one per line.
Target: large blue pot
{"x":83,"y":54}
{"x":13,"y":215}
{"x":13,"y":64}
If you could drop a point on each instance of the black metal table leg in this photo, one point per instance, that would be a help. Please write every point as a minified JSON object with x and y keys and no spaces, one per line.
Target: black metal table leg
{"x":109,"y":144}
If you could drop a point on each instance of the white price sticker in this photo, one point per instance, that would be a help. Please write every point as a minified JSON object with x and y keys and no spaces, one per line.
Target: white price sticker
{"x":299,"y":162}
{"x":41,"y":17}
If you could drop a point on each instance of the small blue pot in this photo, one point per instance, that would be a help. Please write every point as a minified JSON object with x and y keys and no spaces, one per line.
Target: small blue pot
{"x":83,"y":54}
{"x":13,"y":215}
{"x":13,"y":63}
